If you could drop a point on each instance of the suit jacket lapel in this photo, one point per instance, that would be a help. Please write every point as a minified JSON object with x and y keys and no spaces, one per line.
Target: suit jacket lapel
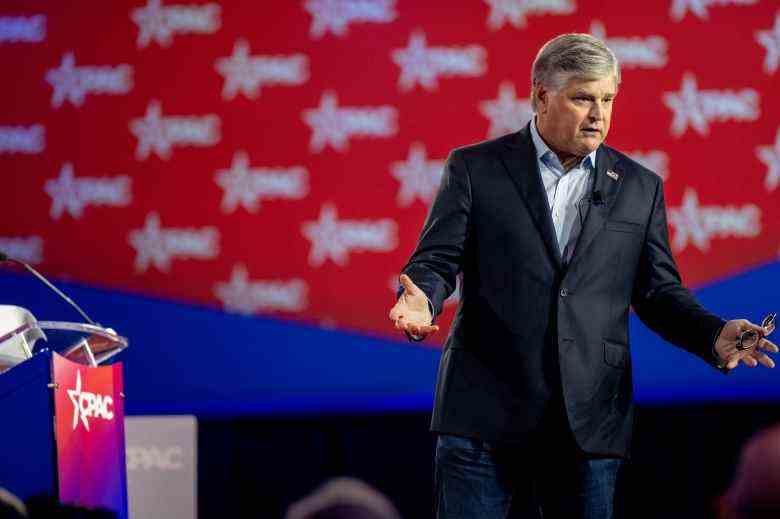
{"x":605,"y":191}
{"x":519,"y":158}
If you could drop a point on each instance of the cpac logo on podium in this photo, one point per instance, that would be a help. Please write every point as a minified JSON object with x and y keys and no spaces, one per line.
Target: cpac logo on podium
{"x":89,"y":405}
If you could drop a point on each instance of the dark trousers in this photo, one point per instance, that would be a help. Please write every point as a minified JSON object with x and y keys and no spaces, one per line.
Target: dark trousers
{"x":547,"y":477}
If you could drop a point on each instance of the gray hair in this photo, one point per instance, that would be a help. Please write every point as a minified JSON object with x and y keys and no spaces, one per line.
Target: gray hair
{"x":572,"y":55}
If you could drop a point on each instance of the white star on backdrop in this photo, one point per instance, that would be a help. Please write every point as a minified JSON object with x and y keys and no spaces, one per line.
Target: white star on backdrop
{"x":770,"y":156}
{"x":416,"y":64}
{"x":64,"y":193}
{"x":236,"y":294}
{"x":688,"y":223}
{"x":507,"y":113}
{"x":686,"y":107}
{"x":680,"y":7}
{"x":66,"y":82}
{"x":151,"y":134}
{"x":239,"y":73}
{"x":501,"y":11}
{"x":152,"y":24}
{"x":770,"y":40}
{"x":324,"y":235}
{"x":327,"y":125}
{"x":238,"y":185}
{"x":419,"y":177}
{"x":75,"y":397}
{"x":149,"y":245}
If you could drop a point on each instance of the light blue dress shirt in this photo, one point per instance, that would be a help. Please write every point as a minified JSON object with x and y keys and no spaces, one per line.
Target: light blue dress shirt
{"x":565,"y":192}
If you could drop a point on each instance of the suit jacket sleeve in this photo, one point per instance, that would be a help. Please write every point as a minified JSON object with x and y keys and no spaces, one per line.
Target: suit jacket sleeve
{"x":437,"y":258}
{"x":659,"y":298}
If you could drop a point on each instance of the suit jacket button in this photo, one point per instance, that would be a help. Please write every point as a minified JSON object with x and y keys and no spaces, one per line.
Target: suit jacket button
{"x":564,"y":292}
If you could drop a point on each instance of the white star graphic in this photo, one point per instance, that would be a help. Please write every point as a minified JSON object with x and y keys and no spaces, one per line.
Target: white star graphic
{"x":327,"y":125}
{"x":418,"y":176}
{"x":64,"y":193}
{"x":66,"y":82}
{"x":680,"y":7}
{"x":151,"y":134}
{"x":770,"y":40}
{"x":770,"y":156}
{"x":149,"y":245}
{"x":507,"y":113}
{"x":325,"y":238}
{"x":238,"y":73}
{"x":502,"y":11}
{"x":238,"y":185}
{"x":514,"y":11}
{"x":686,"y":107}
{"x":152,"y":24}
{"x":688,"y":223}
{"x":236,"y":294}
{"x":416,"y":64}
{"x":75,"y":397}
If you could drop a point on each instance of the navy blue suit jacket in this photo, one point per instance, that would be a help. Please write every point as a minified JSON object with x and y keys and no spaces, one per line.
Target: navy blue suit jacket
{"x":528,"y":327}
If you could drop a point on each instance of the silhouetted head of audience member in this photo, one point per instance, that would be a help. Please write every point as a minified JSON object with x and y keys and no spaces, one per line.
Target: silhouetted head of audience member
{"x":755,"y":491}
{"x":343,"y":498}
{"x":46,"y":507}
{"x":11,"y":507}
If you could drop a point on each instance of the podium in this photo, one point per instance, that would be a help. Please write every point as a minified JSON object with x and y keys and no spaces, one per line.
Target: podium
{"x":62,"y":412}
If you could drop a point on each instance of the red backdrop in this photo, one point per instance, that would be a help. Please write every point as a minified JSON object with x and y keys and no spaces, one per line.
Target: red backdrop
{"x":279,"y":157}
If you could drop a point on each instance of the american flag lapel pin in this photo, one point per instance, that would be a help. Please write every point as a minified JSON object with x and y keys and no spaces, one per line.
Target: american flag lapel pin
{"x":611,"y":174}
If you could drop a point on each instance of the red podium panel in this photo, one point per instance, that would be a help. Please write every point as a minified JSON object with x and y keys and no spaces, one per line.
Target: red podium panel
{"x":89,"y":429}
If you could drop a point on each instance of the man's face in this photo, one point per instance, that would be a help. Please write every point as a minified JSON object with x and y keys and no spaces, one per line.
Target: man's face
{"x":575,"y":119}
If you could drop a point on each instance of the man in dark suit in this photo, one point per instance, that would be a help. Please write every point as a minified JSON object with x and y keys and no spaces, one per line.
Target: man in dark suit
{"x":556,"y":236}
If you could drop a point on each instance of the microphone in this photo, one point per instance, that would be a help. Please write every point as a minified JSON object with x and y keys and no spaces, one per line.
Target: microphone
{"x":6,"y":257}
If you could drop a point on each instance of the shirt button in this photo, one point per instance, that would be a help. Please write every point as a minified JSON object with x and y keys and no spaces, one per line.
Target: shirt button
{"x":564,"y":292}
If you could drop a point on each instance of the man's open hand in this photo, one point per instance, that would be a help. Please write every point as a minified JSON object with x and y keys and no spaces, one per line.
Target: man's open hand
{"x":411,"y":312}
{"x":726,"y":345}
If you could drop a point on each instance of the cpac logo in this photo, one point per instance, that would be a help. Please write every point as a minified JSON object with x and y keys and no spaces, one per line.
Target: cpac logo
{"x":334,"y":126}
{"x":422,"y":64}
{"x":22,"y":139}
{"x":159,"y":23}
{"x":655,"y":160}
{"x":333,"y":239}
{"x":244,"y":296}
{"x":159,"y":134}
{"x":168,"y":459}
{"x":336,"y":15}
{"x":698,"y":225}
{"x":507,"y":113}
{"x":157,"y":246}
{"x":634,"y":52}
{"x":770,"y":40}
{"x":515,"y":11}
{"x":770,"y":156}
{"x":696,"y":108}
{"x":89,"y":405}
{"x":246,"y":74}
{"x":246,"y":187}
{"x":72,"y":194}
{"x":699,"y":7}
{"x":419,"y":177}
{"x":27,"y":29}
{"x":25,"y":248}
{"x":72,"y":83}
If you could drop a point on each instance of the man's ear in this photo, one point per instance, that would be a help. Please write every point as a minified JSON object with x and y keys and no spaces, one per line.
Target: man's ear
{"x":542,"y":98}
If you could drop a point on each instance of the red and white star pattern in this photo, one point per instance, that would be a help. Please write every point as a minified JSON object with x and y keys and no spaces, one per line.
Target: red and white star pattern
{"x":280,"y":157}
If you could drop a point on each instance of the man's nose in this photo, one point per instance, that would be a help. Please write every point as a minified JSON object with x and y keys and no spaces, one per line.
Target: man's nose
{"x":596,"y":111}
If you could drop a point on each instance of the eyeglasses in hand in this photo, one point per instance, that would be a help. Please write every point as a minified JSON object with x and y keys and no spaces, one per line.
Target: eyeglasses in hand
{"x":750,"y":338}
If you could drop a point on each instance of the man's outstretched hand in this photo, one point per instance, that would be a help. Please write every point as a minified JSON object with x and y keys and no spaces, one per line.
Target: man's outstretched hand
{"x":726,"y":345}
{"x":411,"y":312}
